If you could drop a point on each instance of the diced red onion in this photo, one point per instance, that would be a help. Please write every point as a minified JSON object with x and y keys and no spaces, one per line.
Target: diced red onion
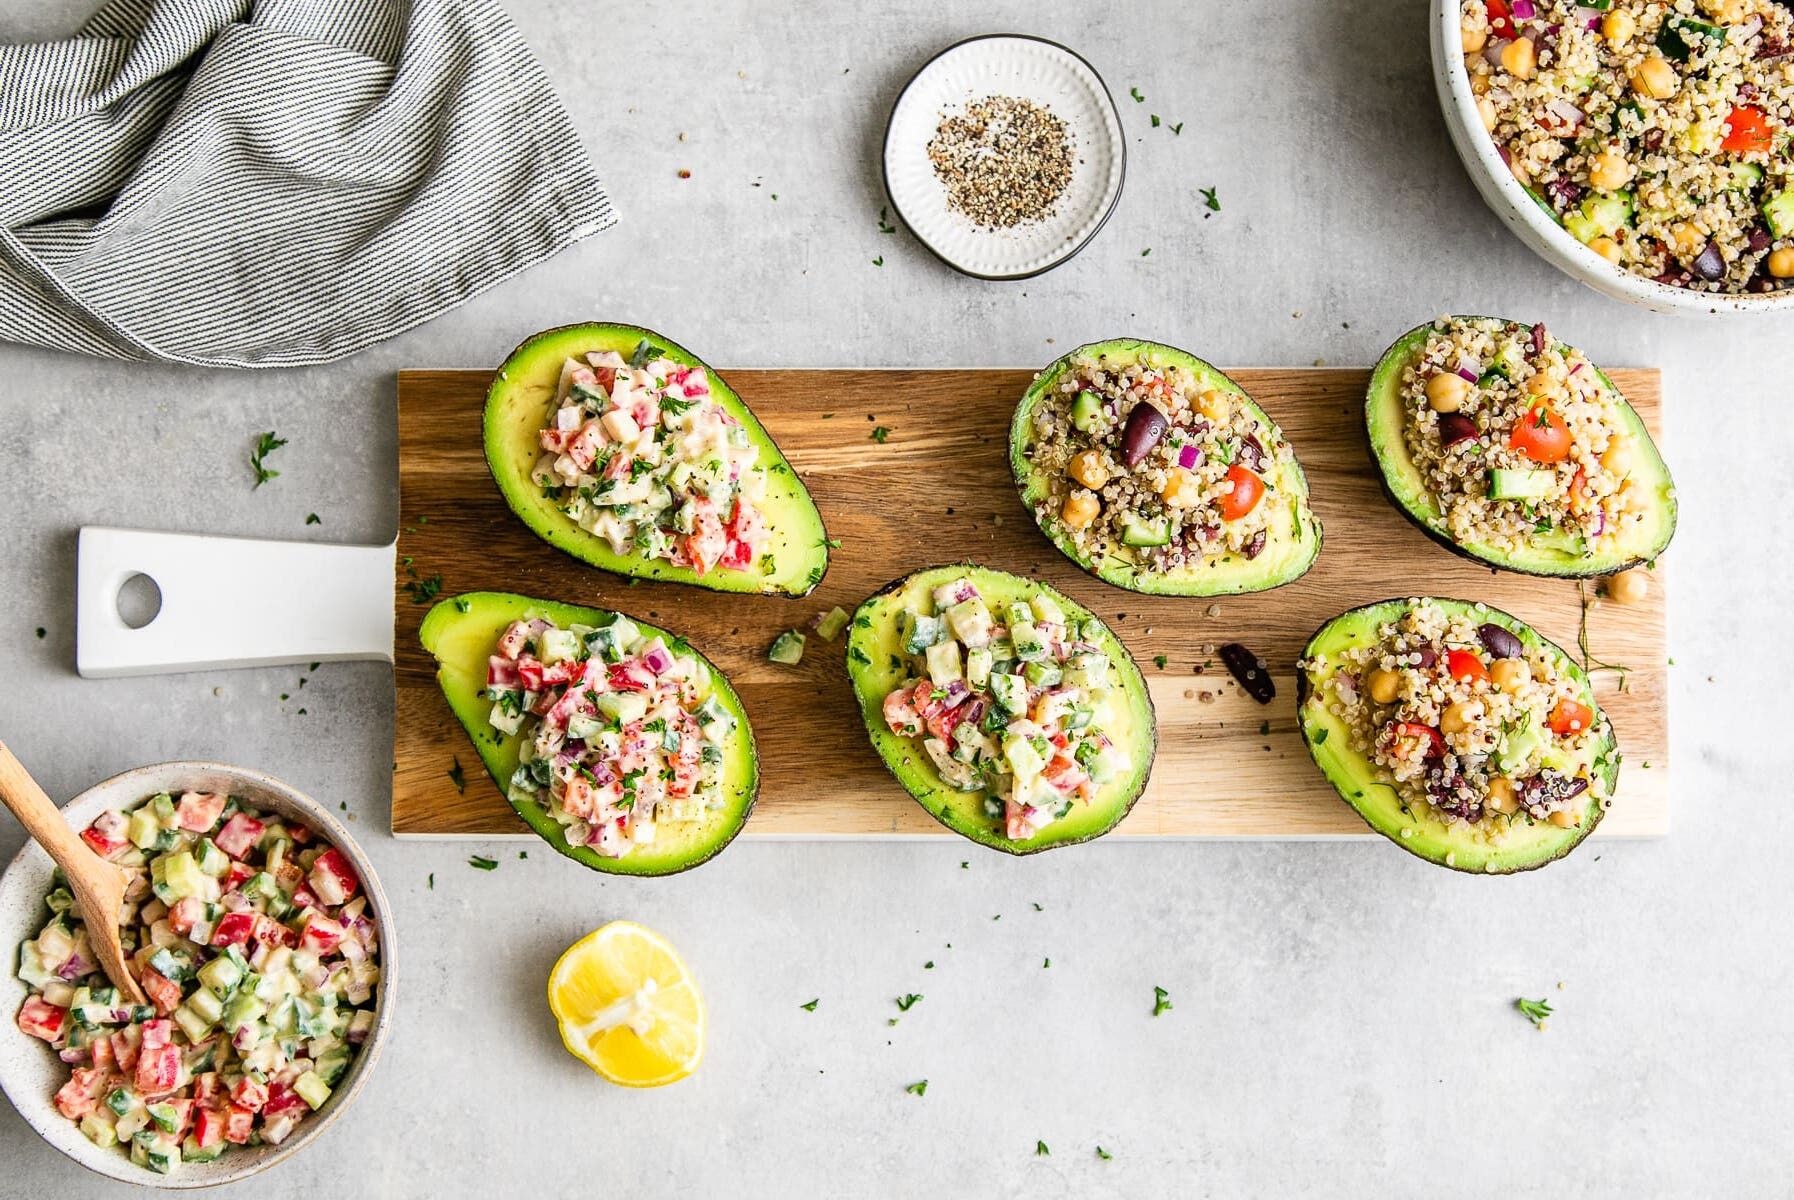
{"x":1590,"y":17}
{"x":1524,"y":11}
{"x":658,"y":659}
{"x":1469,"y":368}
{"x":1186,"y":457}
{"x":1492,"y":51}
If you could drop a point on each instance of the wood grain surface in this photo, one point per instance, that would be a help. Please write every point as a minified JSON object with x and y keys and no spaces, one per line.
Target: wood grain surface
{"x":939,"y":490}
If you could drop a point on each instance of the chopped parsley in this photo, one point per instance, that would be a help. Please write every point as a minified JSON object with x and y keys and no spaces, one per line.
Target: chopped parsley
{"x":1534,"y":1010}
{"x":1103,"y":1154}
{"x":918,"y":1088}
{"x":1139,"y":97}
{"x":1319,"y":736}
{"x":1041,"y":1151}
{"x":1178,"y":128}
{"x":884,"y":221}
{"x":879,"y":434}
{"x":313,"y":519}
{"x":879,"y":261}
{"x":905,"y":1003}
{"x":458,"y":777}
{"x":265,"y":444}
{"x":463,"y":604}
{"x":1155,"y":120}
{"x":1161,"y":1000}
{"x":423,"y":591}
{"x":42,"y":633}
{"x":1159,"y":661}
{"x":481,"y":863}
{"x":1211,"y":199}
{"x":432,"y":881}
{"x":811,"y":1006}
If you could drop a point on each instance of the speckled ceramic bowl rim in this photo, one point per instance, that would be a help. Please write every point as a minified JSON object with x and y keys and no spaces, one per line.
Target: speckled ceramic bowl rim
{"x":27,"y":1065}
{"x":1551,"y":241}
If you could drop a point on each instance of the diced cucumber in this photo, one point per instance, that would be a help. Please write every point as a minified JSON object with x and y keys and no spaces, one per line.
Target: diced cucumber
{"x":1022,"y":757}
{"x":1678,"y":36}
{"x":1042,"y":674}
{"x":1520,"y":484}
{"x":1778,"y":212}
{"x":206,"y":1004}
{"x":944,"y":664}
{"x":99,"y":1131}
{"x":312,"y":1088}
{"x":165,"y":1115}
{"x":584,"y":726}
{"x":559,"y":644}
{"x":978,"y":663}
{"x":1601,"y":214}
{"x":211,"y":859}
{"x":1087,"y":412}
{"x":970,"y":622}
{"x":1517,"y":747}
{"x":193,"y":1152}
{"x":331,"y":1064}
{"x":1011,"y":691}
{"x":162,"y":806}
{"x":1087,"y":670}
{"x":715,"y":719}
{"x":831,"y":623}
{"x":192,"y":1024}
{"x":1047,"y":610}
{"x":787,"y":648}
{"x":921,"y":631}
{"x":171,"y":964}
{"x":623,"y":707}
{"x":1030,"y":646}
{"x":1019,"y":613}
{"x":1142,"y":531}
{"x":120,"y":1101}
{"x":32,"y":968}
{"x":141,"y":828}
{"x":1745,"y":176}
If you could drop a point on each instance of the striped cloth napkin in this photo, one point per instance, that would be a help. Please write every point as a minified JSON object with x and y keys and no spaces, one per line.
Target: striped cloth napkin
{"x":275,"y":182}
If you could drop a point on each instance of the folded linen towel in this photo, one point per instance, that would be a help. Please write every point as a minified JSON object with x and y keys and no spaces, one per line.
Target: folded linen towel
{"x":275,"y":182}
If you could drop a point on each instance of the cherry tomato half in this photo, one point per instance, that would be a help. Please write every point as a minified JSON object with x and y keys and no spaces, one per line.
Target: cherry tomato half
{"x":1501,"y":18}
{"x":1248,"y":489}
{"x":1541,"y":435}
{"x":1426,"y":734}
{"x":1465,"y":666}
{"x":1569,"y":718}
{"x":1751,"y":131}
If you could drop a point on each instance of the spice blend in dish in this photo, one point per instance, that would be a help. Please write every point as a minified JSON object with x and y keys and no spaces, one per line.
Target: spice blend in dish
{"x":626,"y":451}
{"x":1658,"y":134}
{"x":617,"y":742}
{"x":1156,"y":472}
{"x":1458,"y":732}
{"x":252,"y":940}
{"x":1511,"y":447}
{"x":1008,"y":710}
{"x":1004,"y":161}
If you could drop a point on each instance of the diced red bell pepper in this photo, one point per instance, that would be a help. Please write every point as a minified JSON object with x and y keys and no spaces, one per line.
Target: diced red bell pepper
{"x":41,"y":1019}
{"x":239,"y":834}
{"x":80,"y":1095}
{"x":100,"y":1052}
{"x":901,"y":715}
{"x":234,"y":929}
{"x":239,"y":1123}
{"x":157,"y":1033}
{"x":513,"y":639}
{"x":183,"y":1116}
{"x":322,"y":934}
{"x":502,"y":673}
{"x":208,"y":1128}
{"x":199,"y":811}
{"x":163,"y":992}
{"x":530,"y":671}
{"x":249,"y":1094}
{"x":103,"y":844}
{"x":301,"y":834}
{"x":208,"y":1086}
{"x":332,"y":878}
{"x":158,"y":1069}
{"x":283,"y":1099}
{"x":1501,"y":18}
{"x":187,"y":912}
{"x":124,"y":1050}
{"x":237,"y":875}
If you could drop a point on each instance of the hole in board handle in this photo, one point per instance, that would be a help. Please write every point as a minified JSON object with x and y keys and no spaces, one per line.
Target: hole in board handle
{"x":139,"y":600}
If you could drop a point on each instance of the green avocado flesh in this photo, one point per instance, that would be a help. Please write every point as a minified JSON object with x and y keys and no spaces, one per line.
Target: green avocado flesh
{"x":517,"y":407}
{"x":1524,"y":845}
{"x":1293,"y":535}
{"x":876,"y":664}
{"x":1557,"y":552}
{"x":461,"y":633}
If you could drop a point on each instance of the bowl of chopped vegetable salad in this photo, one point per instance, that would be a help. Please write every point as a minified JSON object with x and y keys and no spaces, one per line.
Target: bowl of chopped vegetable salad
{"x":261,"y":938}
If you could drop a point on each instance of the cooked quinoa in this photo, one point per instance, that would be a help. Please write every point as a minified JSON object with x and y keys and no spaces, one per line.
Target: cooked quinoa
{"x":1467,"y":719}
{"x":1657,"y":133}
{"x":1516,"y":435}
{"x":1196,"y":490}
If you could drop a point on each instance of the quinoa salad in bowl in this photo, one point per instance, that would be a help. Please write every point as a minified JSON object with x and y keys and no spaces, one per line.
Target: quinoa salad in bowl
{"x":1514,"y":449}
{"x":1657,"y":135}
{"x":1156,"y":472}
{"x":1458,"y":732}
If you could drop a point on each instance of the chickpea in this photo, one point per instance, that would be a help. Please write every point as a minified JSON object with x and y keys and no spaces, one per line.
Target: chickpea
{"x":1446,"y":392}
{"x":1520,"y":58}
{"x":1457,"y":717}
{"x":1655,"y":78}
{"x":1607,"y":248}
{"x":1503,"y":797}
{"x":1088,"y":469}
{"x":1182,"y":489}
{"x":1080,"y":509}
{"x":1628,"y":587}
{"x":1609,"y":172}
{"x":1727,"y":12}
{"x":1214,"y":405}
{"x":1509,"y":674}
{"x":1781,"y":262}
{"x":1541,"y":384}
{"x":1688,"y":239}
{"x":1618,"y":27}
{"x":1617,"y":458}
{"x":1564,"y":819}
{"x":1475,"y":38}
{"x":1384,"y":686}
{"x":1479,"y":82}
{"x":1485,"y":108}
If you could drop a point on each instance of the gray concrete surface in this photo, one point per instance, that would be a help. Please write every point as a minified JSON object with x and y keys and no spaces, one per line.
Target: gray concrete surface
{"x":1343,"y":1020}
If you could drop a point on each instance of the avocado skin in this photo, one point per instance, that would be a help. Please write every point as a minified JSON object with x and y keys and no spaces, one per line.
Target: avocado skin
{"x":1388,"y":454}
{"x":516,"y":405}
{"x":1352,"y":778}
{"x":1225,"y":579}
{"x":461,"y":641}
{"x":962,"y":812}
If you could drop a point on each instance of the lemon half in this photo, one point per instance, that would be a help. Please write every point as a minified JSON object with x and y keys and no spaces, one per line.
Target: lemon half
{"x":627,"y":1006}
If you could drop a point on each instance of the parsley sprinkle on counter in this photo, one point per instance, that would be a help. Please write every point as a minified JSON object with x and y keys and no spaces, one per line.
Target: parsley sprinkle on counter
{"x":313,"y":519}
{"x":1535,"y":1011}
{"x":458,"y":777}
{"x":265,"y":444}
{"x":422,"y":591}
{"x":905,"y":1003}
{"x":1137,"y":94}
{"x":918,"y":1088}
{"x":482,"y":863}
{"x":1103,"y":1154}
{"x":811,"y":1006}
{"x":1159,"y":661}
{"x":879,"y":434}
{"x":1211,"y":199}
{"x":1155,"y":120}
{"x":1041,"y":1151}
{"x":42,"y":633}
{"x":879,"y":261}
{"x":1161,"y":1000}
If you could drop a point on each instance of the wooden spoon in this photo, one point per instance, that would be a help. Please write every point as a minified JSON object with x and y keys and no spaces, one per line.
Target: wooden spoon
{"x":98,"y":886}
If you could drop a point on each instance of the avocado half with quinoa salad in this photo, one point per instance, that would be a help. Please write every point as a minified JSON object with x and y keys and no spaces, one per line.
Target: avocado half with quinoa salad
{"x":1013,"y":715}
{"x":1512,"y":448}
{"x":619,"y":744}
{"x":623,"y":449}
{"x":1157,"y":473}
{"x":1458,"y":732}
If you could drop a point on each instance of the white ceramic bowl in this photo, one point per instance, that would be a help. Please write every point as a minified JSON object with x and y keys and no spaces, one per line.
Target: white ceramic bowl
{"x":30,"y":1072}
{"x":1549,"y":240}
{"x":1006,"y":65}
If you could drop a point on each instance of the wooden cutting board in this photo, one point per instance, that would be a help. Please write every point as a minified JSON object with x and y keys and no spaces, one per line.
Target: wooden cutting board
{"x":938,"y":490}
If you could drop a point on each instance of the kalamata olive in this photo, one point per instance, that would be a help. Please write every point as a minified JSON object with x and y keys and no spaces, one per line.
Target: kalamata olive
{"x":1538,"y":339}
{"x":1424,"y":656}
{"x":1758,"y":239}
{"x":1145,"y":427}
{"x":1256,"y":546}
{"x":1250,"y":671}
{"x":1709,"y":264}
{"x":1251,"y":455}
{"x":1499,"y":641}
{"x":1455,"y":428}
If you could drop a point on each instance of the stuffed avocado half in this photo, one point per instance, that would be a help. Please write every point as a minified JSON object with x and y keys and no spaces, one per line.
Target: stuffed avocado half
{"x":1511,"y":448}
{"x":1458,"y":732}
{"x":1157,"y":473}
{"x":623,"y":747}
{"x":625,"y":450}
{"x":1013,"y":715}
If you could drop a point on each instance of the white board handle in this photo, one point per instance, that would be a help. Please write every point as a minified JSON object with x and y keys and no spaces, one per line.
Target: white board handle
{"x":229,"y":602}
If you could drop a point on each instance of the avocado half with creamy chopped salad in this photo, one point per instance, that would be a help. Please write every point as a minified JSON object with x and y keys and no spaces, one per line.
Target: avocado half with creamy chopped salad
{"x":1157,"y":473}
{"x":1013,"y":715}
{"x":1510,"y":447}
{"x":623,"y":449}
{"x":1458,"y":732}
{"x":623,"y":747}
